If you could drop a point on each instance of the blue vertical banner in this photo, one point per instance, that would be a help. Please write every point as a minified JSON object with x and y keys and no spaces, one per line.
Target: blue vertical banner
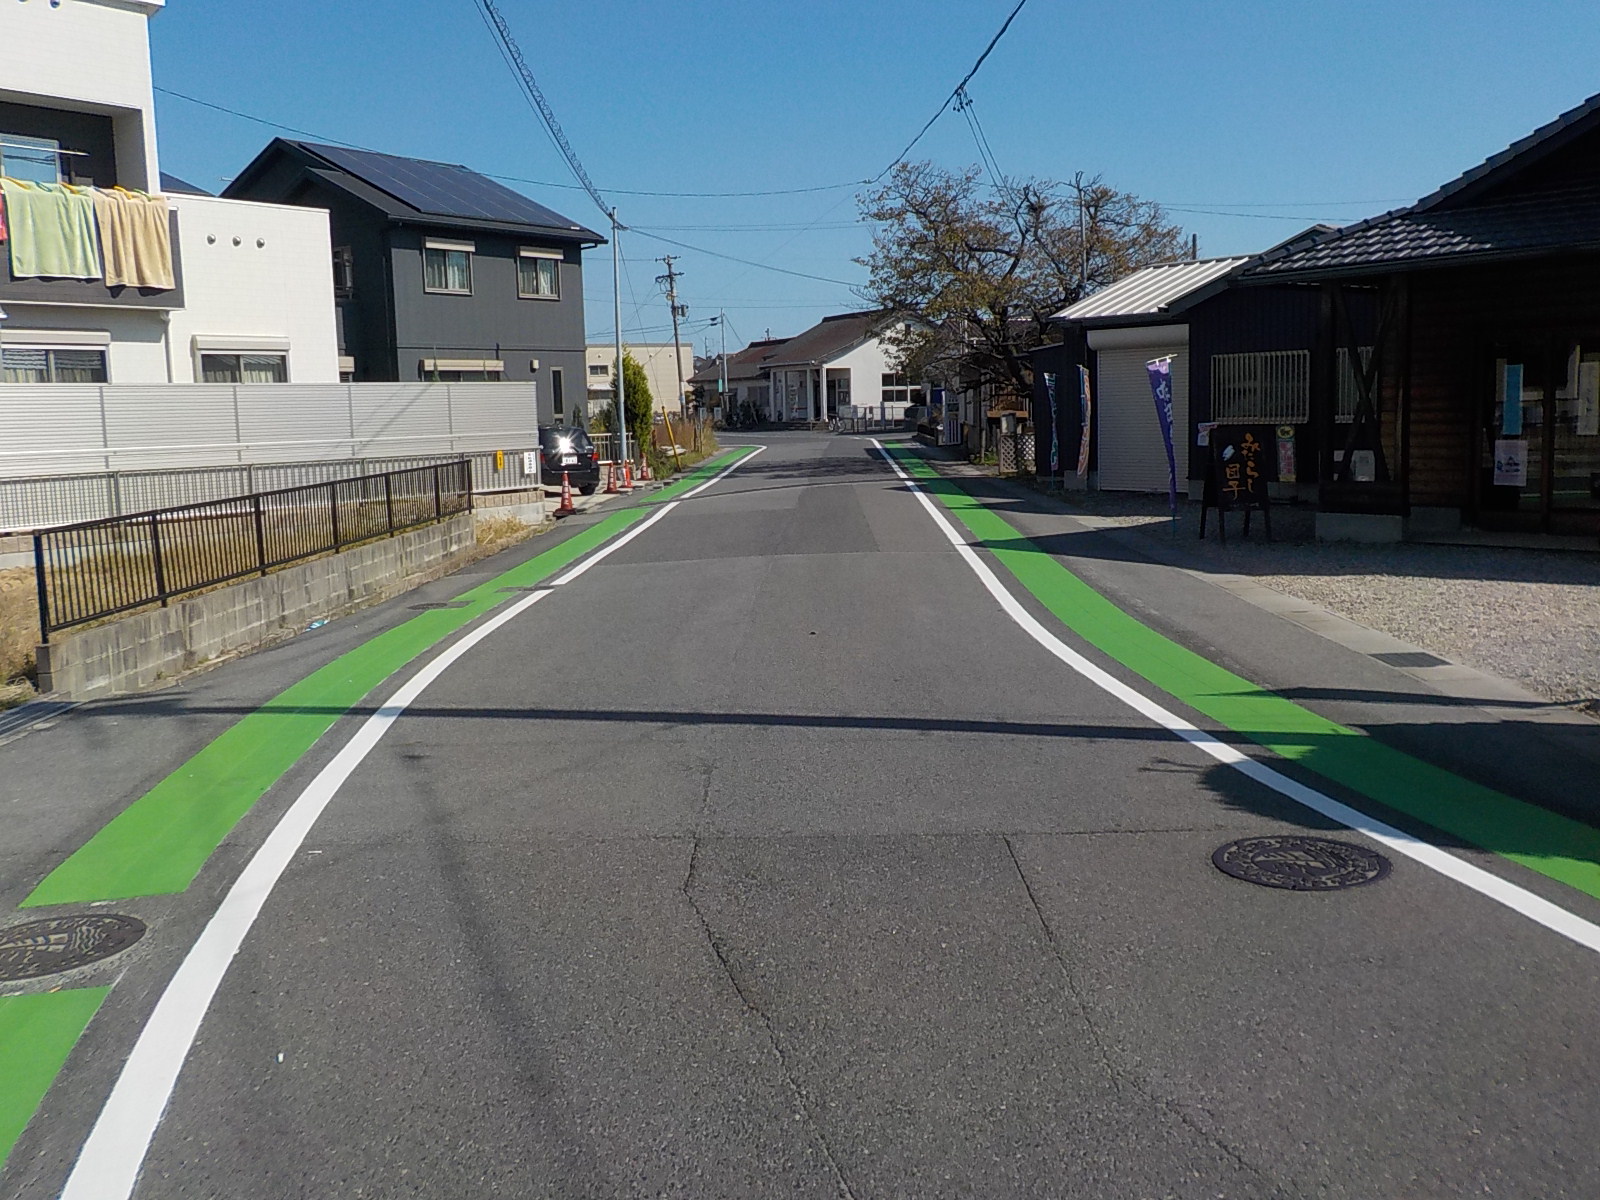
{"x":1055,"y":422}
{"x":1160,"y":370}
{"x":1511,"y":409}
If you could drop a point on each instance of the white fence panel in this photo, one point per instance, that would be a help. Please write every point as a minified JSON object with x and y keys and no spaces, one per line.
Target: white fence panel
{"x":144,"y":422}
{"x":50,"y":430}
{"x":71,"y":429}
{"x":387,"y":422}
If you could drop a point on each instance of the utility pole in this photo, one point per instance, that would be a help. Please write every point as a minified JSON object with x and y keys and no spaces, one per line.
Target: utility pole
{"x":670,"y":282}
{"x":616,"y":293}
{"x":1083,"y":239}
{"x":721,"y":322}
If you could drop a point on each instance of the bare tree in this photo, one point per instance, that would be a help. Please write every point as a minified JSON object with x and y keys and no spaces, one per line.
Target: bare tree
{"x":982,"y":267}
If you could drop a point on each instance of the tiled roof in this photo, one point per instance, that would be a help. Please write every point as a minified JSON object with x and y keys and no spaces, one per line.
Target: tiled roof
{"x":1521,"y":228}
{"x":830,"y":337}
{"x":1544,"y":138}
{"x":1150,"y":291}
{"x":745,"y":364}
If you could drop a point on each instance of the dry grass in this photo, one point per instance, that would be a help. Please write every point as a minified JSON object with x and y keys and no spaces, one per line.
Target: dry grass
{"x":19,"y":633}
{"x":494,"y":534}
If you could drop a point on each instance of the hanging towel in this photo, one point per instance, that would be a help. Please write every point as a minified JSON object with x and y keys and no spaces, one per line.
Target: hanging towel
{"x":52,"y":231}
{"x":135,"y":239}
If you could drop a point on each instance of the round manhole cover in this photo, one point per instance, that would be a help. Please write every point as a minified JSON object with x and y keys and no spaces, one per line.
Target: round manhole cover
{"x":1302,"y":864}
{"x":62,"y":943}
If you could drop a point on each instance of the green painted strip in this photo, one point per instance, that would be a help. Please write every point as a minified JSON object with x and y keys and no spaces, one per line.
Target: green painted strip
{"x":157,"y":845}
{"x":37,"y":1032}
{"x":1535,"y":837}
{"x":700,"y":474}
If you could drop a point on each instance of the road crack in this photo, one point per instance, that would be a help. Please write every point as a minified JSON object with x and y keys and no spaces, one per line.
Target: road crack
{"x":752,"y":1005}
{"x":1120,"y":1077}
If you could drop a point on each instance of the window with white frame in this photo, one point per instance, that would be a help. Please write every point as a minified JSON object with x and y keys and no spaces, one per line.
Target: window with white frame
{"x":52,"y":364}
{"x":898,"y":388}
{"x":599,"y":371}
{"x":1270,"y":387}
{"x":244,"y":368}
{"x":1344,"y":409}
{"x":538,"y":274}
{"x":447,"y":267}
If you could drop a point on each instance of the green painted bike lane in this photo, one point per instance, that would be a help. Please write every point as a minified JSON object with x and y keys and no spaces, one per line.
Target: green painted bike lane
{"x":159,"y":843}
{"x":1534,"y":837}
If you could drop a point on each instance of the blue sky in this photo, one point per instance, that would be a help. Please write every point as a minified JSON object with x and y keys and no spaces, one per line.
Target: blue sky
{"x":1248,"y":120}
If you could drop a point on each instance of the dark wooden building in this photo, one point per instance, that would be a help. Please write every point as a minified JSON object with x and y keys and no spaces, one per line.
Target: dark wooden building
{"x":1478,"y":397}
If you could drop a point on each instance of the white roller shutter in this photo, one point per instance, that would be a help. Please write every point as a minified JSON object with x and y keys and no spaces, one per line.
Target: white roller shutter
{"x":1132,"y":456}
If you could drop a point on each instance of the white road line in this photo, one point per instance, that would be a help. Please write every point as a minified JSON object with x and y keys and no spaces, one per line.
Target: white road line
{"x":613,"y":547}
{"x":1535,"y":908}
{"x":108,"y":1165}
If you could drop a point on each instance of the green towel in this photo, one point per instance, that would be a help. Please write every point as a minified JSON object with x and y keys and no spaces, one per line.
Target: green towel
{"x":52,"y":231}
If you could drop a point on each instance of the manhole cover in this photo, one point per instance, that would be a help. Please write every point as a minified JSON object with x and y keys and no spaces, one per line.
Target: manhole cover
{"x":62,"y":943}
{"x":1303,"y":864}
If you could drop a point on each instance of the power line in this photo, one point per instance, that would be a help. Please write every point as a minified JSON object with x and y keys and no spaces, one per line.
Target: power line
{"x":965,"y":79}
{"x":747,"y":262}
{"x":530,"y":88}
{"x":576,"y":187}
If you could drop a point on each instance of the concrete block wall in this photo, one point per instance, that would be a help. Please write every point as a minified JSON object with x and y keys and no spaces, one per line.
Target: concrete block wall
{"x":139,"y":651}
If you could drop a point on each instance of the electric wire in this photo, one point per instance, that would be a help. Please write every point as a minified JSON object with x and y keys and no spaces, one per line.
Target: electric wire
{"x":965,"y":79}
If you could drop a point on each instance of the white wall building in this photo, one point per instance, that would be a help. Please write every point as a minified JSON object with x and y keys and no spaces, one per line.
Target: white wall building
{"x":842,"y":366}
{"x":252,"y":299}
{"x":657,"y":360}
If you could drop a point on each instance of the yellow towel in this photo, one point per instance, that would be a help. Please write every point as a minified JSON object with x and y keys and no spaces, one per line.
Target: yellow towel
{"x":135,"y":239}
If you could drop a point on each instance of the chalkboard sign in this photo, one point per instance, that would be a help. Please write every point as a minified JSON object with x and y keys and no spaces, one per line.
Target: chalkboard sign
{"x":1242,"y":463}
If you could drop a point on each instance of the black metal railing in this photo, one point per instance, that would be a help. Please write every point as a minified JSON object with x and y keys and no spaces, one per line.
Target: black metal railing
{"x":97,"y":569}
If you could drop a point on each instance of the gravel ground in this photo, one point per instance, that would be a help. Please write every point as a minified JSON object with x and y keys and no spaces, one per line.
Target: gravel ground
{"x":1530,"y":616}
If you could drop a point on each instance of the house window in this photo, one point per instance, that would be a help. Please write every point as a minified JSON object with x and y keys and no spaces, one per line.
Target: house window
{"x":344,"y":272}
{"x":599,"y":371}
{"x":558,"y":395}
{"x":37,"y":160}
{"x":898,"y":388}
{"x":244,"y":368}
{"x":46,"y":364}
{"x":447,"y":267}
{"x":1272,"y":387}
{"x":538,"y":274}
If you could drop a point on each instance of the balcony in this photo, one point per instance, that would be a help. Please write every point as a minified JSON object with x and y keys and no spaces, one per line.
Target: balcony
{"x":92,"y":292}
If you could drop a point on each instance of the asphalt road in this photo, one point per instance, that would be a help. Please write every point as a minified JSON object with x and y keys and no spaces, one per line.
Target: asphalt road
{"x":770,"y":858}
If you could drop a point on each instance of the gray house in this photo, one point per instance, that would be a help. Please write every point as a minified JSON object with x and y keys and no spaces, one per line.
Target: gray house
{"x":439,"y":273}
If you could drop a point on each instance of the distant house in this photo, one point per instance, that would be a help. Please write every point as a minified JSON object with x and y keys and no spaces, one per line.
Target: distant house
{"x":439,"y":273}
{"x":749,"y":390}
{"x":843,"y":362}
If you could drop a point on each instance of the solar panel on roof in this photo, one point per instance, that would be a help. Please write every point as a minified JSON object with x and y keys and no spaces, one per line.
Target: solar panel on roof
{"x":442,"y":189}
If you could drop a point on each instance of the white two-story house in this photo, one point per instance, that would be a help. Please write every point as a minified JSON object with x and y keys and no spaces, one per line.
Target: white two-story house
{"x":150,"y":286}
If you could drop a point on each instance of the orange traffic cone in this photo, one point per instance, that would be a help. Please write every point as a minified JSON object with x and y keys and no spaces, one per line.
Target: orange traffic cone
{"x":627,"y":476}
{"x":566,"y":508}
{"x":611,"y":482}
{"x":644,"y":469}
